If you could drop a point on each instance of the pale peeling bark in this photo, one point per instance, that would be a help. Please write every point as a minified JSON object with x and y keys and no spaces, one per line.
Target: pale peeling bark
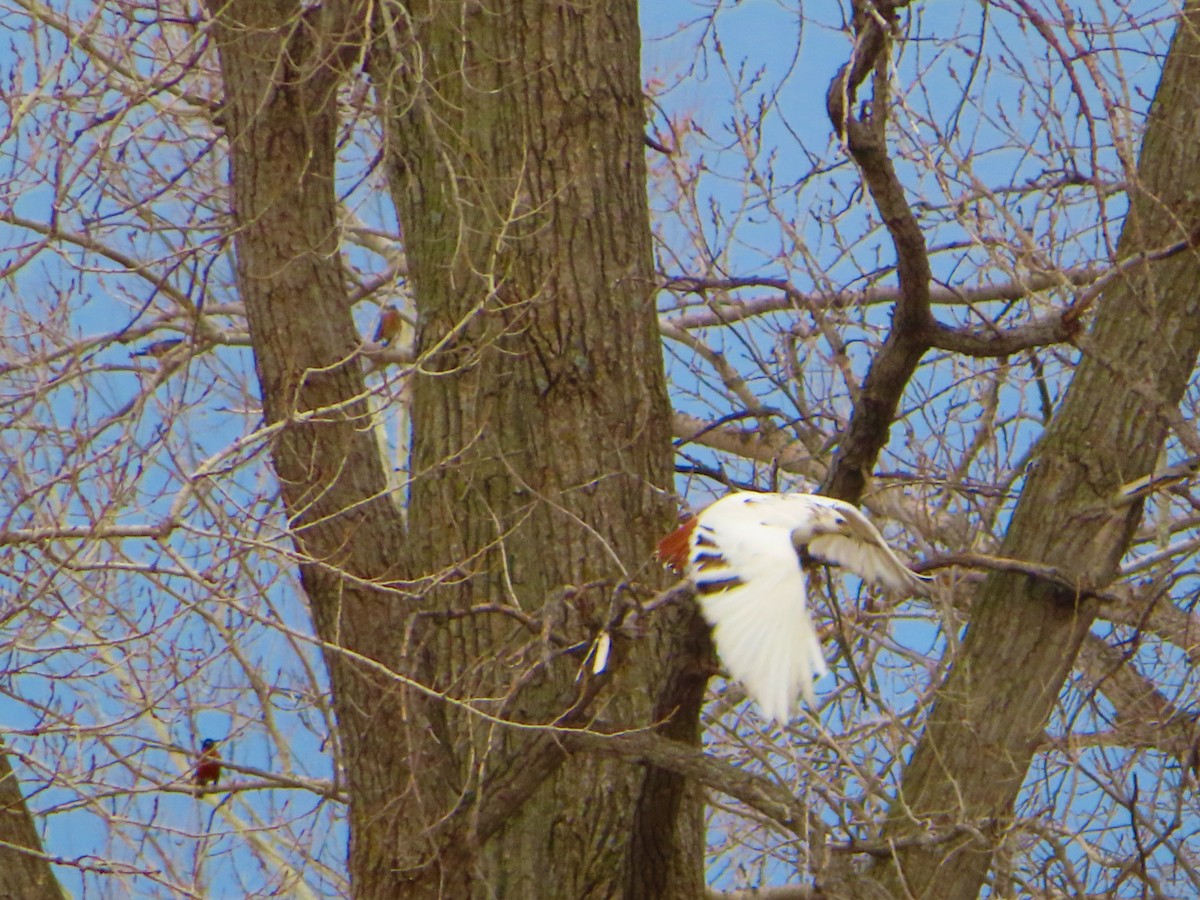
{"x":1024,"y":632}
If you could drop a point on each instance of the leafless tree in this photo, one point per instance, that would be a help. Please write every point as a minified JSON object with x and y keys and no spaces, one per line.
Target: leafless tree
{"x":953,"y":284}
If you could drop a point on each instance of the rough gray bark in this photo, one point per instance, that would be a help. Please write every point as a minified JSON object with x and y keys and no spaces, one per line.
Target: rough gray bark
{"x":281,"y":71}
{"x":541,"y":434}
{"x":541,"y":425}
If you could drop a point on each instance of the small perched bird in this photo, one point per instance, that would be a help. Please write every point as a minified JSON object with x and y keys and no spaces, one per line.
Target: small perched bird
{"x":389,"y":325}
{"x":208,"y":767}
{"x":158,"y":349}
{"x":745,"y":554}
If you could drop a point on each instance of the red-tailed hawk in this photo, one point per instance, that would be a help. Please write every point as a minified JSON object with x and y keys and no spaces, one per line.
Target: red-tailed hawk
{"x":745,"y":555}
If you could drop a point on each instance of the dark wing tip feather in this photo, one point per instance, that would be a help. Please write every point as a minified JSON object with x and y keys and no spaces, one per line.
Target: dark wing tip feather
{"x":916,"y":583}
{"x":673,"y":550}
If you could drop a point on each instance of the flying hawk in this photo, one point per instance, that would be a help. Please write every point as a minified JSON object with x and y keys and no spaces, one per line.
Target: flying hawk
{"x":745,"y":555}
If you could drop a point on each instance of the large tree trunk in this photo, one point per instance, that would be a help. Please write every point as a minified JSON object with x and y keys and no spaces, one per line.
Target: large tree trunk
{"x":540,"y":416}
{"x":541,"y":440}
{"x":280,"y":70}
{"x":1024,"y":632}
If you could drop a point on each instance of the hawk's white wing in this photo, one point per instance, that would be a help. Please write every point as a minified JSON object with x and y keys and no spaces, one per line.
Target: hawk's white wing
{"x":752,"y":591}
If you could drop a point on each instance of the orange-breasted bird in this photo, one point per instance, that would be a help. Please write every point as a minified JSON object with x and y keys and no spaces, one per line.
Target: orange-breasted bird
{"x":208,"y":767}
{"x":158,"y":349}
{"x":389,"y":325}
{"x":745,"y":554}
